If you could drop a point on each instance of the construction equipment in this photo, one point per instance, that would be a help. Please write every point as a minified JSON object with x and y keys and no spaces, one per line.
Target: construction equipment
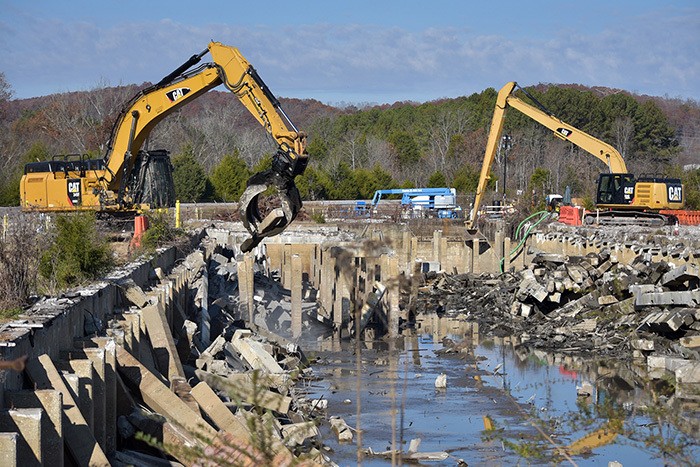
{"x":439,"y":202}
{"x":621,"y":198}
{"x":114,"y":183}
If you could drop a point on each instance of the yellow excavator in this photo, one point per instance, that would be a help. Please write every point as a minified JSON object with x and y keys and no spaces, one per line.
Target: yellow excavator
{"x":114,"y":183}
{"x":621,"y":197}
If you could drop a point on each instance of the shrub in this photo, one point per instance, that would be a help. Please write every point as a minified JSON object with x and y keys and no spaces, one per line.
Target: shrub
{"x":77,"y":254}
{"x":20,"y":250}
{"x":160,"y":230}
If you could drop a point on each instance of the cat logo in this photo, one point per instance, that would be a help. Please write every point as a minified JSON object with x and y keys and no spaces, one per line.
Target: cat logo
{"x":565,"y":132}
{"x":74,"y":195}
{"x":675,"y":193}
{"x":628,"y":193}
{"x":175,"y":94}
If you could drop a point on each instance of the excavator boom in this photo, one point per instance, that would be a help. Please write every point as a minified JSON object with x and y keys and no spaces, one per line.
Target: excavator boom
{"x":105,"y":183}
{"x":603,"y":151}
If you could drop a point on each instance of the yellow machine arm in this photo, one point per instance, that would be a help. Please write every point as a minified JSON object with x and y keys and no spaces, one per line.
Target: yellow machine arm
{"x":603,"y":151}
{"x":230,"y":68}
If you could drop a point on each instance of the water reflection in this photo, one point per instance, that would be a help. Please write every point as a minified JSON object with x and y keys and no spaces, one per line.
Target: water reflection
{"x":503,"y":401}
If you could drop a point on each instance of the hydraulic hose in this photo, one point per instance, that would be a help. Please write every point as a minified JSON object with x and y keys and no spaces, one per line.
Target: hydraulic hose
{"x":543,"y":215}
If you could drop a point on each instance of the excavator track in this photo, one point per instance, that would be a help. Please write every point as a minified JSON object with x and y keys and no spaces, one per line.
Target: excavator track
{"x":644,"y":219}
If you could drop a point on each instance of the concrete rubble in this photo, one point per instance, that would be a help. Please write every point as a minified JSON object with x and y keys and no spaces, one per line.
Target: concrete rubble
{"x":645,"y":310}
{"x":199,"y":353}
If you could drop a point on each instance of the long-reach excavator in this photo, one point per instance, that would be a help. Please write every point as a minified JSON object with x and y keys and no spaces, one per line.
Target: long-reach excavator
{"x":113,"y":183}
{"x":622,"y":198}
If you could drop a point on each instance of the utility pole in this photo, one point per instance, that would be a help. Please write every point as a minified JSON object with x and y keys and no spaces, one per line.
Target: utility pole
{"x":504,"y":147}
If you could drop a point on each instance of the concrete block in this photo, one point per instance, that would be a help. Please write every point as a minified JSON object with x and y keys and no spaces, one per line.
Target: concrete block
{"x":295,"y":434}
{"x":212,"y":405}
{"x":51,"y":403}
{"x":28,"y":423}
{"x":341,"y":430}
{"x":688,"y":373}
{"x":533,"y":289}
{"x":607,"y":300}
{"x":690,"y":342}
{"x":132,"y":293}
{"x":254,"y":353}
{"x":8,"y":449}
{"x":249,"y":388}
{"x":162,"y":341}
{"x":78,"y":437}
{"x":664,"y":362}
{"x":685,"y":298}
{"x":642,"y":344}
{"x":555,"y":297}
{"x":639,"y":289}
{"x":170,"y":434}
{"x":604,"y":267}
{"x":678,"y":276}
{"x":159,"y":397}
{"x":576,"y":273}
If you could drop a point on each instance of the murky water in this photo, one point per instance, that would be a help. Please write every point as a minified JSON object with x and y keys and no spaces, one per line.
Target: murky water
{"x":528,"y":400}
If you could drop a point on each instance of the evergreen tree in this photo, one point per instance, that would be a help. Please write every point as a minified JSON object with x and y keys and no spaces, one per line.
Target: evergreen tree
{"x":229,"y":178}
{"x":189,"y":177}
{"x":437,"y":180}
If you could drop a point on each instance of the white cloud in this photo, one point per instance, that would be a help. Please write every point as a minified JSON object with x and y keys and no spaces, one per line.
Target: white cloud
{"x":652,"y":54}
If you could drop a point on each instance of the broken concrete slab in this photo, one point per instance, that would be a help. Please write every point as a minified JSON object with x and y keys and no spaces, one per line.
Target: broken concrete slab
{"x":254,"y":353}
{"x":690,"y":342}
{"x":687,"y":273}
{"x":79,"y":439}
{"x":247,"y":390}
{"x":159,"y":397}
{"x":29,"y":424}
{"x":665,"y":362}
{"x":162,"y":341}
{"x":341,"y":429}
{"x":132,"y":293}
{"x":688,"y":373}
{"x":295,"y":434}
{"x":686,"y":298}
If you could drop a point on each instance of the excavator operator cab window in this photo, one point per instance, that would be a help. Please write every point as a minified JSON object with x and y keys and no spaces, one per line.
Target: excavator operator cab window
{"x":615,"y":189}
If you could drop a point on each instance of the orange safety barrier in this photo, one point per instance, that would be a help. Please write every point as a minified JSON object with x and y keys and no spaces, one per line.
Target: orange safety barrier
{"x":140,"y":226}
{"x":570,"y":215}
{"x":684,"y":217}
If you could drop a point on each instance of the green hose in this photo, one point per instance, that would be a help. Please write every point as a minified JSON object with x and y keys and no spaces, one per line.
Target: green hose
{"x":543,"y":215}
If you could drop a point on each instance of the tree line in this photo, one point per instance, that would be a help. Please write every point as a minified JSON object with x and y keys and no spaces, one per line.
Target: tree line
{"x":215,"y":145}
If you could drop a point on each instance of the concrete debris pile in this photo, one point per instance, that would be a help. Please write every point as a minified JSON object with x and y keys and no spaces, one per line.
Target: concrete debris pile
{"x":213,"y":380}
{"x":272,"y":302}
{"x":590,"y":304}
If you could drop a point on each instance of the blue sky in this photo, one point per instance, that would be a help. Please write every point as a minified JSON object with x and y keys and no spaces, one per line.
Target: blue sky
{"x":359,"y":51}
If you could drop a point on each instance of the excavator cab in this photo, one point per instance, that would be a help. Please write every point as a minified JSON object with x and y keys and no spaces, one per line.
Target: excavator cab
{"x":615,"y":189}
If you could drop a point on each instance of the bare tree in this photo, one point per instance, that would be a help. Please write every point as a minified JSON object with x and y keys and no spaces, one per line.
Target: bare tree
{"x":20,"y":251}
{"x":624,"y":131}
{"x":352,"y":148}
{"x":6,"y":92}
{"x":378,"y":152}
{"x":446,"y":125}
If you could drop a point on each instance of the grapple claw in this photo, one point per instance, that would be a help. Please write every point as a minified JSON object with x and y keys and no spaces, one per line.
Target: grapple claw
{"x":277,"y":219}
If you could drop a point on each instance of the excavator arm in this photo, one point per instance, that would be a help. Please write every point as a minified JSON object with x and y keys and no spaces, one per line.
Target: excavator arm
{"x":230,"y":68}
{"x":603,"y":151}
